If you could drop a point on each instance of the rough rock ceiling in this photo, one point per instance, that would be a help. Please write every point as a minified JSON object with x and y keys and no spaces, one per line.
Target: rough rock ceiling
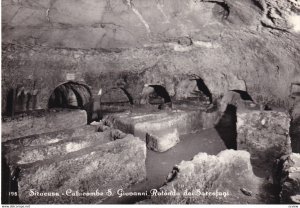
{"x":126,"y":23}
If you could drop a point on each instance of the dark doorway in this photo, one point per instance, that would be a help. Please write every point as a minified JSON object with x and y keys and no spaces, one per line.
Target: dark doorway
{"x":226,"y":127}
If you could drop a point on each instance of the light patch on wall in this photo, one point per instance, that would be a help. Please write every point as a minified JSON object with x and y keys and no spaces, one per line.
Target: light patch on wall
{"x":70,"y":76}
{"x":294,"y":21}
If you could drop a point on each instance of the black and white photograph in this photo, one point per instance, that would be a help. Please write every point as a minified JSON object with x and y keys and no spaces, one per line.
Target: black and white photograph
{"x":150,"y":102}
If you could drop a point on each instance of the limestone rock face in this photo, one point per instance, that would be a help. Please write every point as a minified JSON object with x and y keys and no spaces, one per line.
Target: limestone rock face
{"x":130,"y":23}
{"x":81,"y":176}
{"x":162,"y":140}
{"x":225,"y":178}
{"x":290,"y":179}
{"x":48,"y":121}
{"x":265,"y":134}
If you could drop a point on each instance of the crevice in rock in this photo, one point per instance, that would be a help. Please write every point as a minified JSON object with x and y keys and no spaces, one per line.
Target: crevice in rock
{"x":272,"y":27}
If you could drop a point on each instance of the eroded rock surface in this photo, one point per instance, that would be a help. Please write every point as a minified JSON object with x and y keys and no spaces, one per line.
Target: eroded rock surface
{"x":290,"y":179}
{"x":162,"y":140}
{"x":113,"y":165}
{"x":225,"y":178}
{"x":248,"y":45}
{"x":265,"y":134}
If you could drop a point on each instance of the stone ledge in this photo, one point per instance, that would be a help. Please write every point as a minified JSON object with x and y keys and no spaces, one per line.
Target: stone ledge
{"x":50,"y":121}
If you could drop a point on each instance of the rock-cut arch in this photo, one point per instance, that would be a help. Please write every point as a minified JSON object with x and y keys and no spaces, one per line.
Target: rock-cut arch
{"x":70,"y":95}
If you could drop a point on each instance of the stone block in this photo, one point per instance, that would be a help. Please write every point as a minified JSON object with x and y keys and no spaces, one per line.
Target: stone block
{"x":48,"y":121}
{"x":140,"y":124}
{"x":163,"y":140}
{"x":265,"y":134}
{"x":84,"y":176}
{"x":208,"y":179}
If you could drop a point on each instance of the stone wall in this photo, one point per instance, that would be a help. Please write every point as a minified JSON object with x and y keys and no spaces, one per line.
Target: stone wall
{"x":125,"y":43}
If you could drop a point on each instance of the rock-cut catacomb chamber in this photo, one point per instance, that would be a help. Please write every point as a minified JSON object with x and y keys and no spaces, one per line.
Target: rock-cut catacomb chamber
{"x":150,"y":102}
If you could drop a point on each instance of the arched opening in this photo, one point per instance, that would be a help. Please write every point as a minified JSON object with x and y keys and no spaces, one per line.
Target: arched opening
{"x":20,"y":100}
{"x":116,"y":99}
{"x":204,"y":92}
{"x":159,"y":95}
{"x":193,"y":92}
{"x":156,"y":95}
{"x":116,"y":96}
{"x":243,"y":94}
{"x":229,"y":104}
{"x":70,"y":95}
